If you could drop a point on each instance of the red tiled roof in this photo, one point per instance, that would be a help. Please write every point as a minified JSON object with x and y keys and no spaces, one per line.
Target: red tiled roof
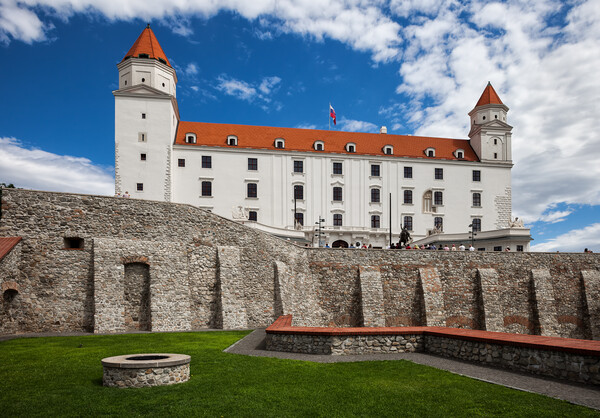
{"x":263,"y":137}
{"x":147,"y":43}
{"x":489,"y":96}
{"x":7,"y":244}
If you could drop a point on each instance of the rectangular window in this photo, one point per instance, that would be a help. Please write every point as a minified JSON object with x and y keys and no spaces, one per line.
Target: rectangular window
{"x":438,"y":198}
{"x":298,"y":166}
{"x":299,"y":218}
{"x":439,"y":173}
{"x":299,"y":192}
{"x":181,"y":162}
{"x":252,"y":190}
{"x":253,"y":164}
{"x":375,"y":170}
{"x":477,"y":200}
{"x":408,"y":195}
{"x":206,"y":188}
{"x":337,"y":194}
{"x":140,"y":187}
{"x":206,"y":161}
{"x":476,"y":175}
{"x":476,"y":225}
{"x":438,"y":223}
{"x":142,"y":137}
{"x":375,"y":195}
{"x":408,"y":172}
{"x":337,"y":219}
{"x":143,"y":157}
{"x":337,"y":168}
{"x":495,"y":155}
{"x":408,"y":223}
{"x":143,"y":116}
{"x":520,"y":248}
{"x":498,"y":248}
{"x":252,"y":215}
{"x":375,"y":221}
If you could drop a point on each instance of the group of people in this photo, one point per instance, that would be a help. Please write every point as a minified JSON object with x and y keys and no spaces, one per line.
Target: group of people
{"x":126,"y":194}
{"x":433,"y":247}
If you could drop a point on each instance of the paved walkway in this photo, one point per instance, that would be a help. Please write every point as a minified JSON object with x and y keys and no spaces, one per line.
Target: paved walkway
{"x":253,"y":345}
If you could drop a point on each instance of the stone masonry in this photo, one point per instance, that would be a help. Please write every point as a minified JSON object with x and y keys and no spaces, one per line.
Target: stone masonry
{"x":204,"y":271}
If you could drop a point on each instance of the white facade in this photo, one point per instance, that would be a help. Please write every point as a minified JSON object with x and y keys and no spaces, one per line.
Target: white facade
{"x":150,"y":151}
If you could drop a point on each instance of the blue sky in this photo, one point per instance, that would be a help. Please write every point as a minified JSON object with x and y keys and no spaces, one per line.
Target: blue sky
{"x":416,"y":66}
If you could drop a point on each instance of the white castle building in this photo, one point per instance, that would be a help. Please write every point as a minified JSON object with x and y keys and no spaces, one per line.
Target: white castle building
{"x":284,"y":180}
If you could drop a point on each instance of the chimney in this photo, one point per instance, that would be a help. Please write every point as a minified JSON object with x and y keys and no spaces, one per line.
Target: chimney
{"x":383,"y":130}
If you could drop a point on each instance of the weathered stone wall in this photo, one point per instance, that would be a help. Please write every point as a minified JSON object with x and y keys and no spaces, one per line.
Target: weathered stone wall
{"x":257,"y":277}
{"x":11,"y":299}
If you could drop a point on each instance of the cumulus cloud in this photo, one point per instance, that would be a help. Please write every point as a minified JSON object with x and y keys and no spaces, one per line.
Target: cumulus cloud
{"x":573,"y":241}
{"x":41,"y":170}
{"x":191,"y":69}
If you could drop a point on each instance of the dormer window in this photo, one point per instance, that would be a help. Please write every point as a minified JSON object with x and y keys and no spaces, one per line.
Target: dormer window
{"x":143,"y":56}
{"x":162,"y":60}
{"x":319,"y":145}
{"x":459,"y":153}
{"x":232,"y":140}
{"x":388,"y":150}
{"x":430,"y":152}
{"x":350,"y":147}
{"x":280,"y":143}
{"x":190,"y":138}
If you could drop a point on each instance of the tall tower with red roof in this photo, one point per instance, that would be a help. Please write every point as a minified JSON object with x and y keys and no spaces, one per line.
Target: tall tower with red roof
{"x":490,"y":134}
{"x":146,"y":118}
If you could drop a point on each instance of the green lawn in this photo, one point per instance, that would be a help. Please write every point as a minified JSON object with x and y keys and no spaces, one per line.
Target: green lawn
{"x":57,"y":377}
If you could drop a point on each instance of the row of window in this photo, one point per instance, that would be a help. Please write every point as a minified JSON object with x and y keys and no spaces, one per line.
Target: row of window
{"x":337,"y":168}
{"x":279,"y":143}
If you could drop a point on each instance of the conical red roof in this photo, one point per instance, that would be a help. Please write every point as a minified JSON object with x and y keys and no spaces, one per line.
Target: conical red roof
{"x":147,"y":43}
{"x":489,"y":96}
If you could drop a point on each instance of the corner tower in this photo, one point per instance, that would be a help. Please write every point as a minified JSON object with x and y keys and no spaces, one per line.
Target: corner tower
{"x":146,"y":118}
{"x":490,"y":134}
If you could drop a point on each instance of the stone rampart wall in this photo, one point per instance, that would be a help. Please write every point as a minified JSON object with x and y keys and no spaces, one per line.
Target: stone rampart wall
{"x":208,"y":272}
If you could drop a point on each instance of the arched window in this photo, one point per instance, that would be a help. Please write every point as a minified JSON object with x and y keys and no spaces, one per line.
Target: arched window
{"x":388,"y":150}
{"x":232,"y":140}
{"x":279,"y":143}
{"x":319,"y":145}
{"x":430,"y":152}
{"x":190,"y":138}
{"x":350,"y":147}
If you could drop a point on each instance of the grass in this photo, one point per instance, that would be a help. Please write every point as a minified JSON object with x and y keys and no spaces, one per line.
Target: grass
{"x":56,"y":377}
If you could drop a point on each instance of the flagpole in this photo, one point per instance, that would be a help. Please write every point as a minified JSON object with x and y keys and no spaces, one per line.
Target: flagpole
{"x":329,"y":116}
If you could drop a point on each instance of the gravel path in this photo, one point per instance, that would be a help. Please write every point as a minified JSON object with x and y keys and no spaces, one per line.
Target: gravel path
{"x":253,"y":345}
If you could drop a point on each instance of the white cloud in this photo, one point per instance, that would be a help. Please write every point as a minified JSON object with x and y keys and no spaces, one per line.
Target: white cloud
{"x":191,"y":69}
{"x":236,"y":88}
{"x":361,"y":24}
{"x":573,"y":241}
{"x":268,"y":83}
{"x":259,"y":93}
{"x":350,"y":125}
{"x":306,"y":126}
{"x":555,"y":217}
{"x":41,"y":170}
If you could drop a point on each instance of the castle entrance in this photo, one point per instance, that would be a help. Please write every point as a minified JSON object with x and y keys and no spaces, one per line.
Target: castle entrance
{"x":339,"y":244}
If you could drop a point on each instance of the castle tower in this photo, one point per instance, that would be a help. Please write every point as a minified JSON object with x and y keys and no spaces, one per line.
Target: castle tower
{"x":490,"y":134}
{"x":146,"y":118}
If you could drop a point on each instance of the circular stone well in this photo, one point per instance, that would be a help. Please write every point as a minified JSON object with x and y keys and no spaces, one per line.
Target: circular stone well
{"x":142,"y":370}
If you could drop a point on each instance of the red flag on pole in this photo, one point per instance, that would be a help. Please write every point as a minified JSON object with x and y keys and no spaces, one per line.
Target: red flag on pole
{"x":332,"y":113}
